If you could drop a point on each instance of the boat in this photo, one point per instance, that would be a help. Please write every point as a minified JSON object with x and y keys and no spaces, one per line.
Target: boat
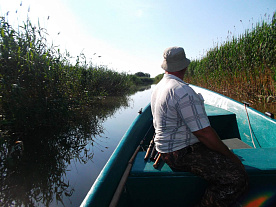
{"x":128,"y":179}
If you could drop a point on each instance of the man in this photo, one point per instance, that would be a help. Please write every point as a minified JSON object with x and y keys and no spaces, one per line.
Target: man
{"x":186,"y":140}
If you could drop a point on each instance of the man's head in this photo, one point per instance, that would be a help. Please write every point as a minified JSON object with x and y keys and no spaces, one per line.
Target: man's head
{"x":174,"y":59}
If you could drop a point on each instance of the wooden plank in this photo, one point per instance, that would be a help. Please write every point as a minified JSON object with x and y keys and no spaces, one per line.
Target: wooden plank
{"x":235,"y":143}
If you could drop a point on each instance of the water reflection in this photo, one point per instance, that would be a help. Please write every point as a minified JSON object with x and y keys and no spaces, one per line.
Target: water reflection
{"x":34,"y":172}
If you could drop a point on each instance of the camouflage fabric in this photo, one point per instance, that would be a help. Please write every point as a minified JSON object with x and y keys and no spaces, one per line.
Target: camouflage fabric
{"x":227,"y":180}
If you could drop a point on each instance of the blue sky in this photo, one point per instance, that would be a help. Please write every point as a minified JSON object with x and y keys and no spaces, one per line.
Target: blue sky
{"x":131,"y":36}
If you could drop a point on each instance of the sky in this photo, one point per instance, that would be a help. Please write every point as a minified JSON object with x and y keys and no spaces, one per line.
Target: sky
{"x":131,"y":35}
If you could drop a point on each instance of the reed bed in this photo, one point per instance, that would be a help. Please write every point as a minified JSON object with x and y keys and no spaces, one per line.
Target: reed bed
{"x":51,"y":107}
{"x":243,"y":68}
{"x":40,"y":86}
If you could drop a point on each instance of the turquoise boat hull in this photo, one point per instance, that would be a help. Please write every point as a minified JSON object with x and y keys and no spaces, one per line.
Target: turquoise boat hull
{"x":250,"y":135}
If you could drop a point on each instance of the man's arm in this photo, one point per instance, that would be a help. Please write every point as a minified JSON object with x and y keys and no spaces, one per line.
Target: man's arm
{"x":210,"y":138}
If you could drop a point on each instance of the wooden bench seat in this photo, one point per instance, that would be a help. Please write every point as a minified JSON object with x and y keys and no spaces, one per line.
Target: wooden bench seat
{"x":235,"y":143}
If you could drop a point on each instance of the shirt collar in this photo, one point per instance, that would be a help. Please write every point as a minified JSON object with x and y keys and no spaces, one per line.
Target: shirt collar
{"x":170,"y":76}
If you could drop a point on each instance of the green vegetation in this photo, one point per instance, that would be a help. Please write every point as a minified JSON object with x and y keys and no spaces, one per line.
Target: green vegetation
{"x":51,"y":112}
{"x":41,"y":87}
{"x":141,"y":74}
{"x":243,"y":68}
{"x":141,"y":78}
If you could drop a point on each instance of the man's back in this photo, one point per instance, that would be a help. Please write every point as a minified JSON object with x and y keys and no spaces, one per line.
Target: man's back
{"x":177,"y":112}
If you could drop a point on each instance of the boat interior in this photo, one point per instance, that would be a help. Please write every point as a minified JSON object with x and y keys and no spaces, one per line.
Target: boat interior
{"x":259,"y":163}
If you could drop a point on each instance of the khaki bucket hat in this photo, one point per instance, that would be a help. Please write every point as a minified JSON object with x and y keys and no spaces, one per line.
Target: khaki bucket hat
{"x":174,"y":59}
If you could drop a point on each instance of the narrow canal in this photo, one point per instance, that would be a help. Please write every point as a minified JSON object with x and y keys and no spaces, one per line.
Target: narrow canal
{"x":58,"y":166}
{"x":82,"y":176}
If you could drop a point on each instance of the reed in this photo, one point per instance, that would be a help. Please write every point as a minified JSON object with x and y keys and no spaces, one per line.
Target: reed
{"x":243,"y":67}
{"x":40,"y":85}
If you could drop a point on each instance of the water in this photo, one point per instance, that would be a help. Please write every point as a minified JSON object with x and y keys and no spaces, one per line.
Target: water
{"x":58,"y":166}
{"x":82,"y":176}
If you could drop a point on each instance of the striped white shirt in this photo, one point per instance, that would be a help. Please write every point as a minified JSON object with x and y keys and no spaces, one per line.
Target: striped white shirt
{"x":177,"y":112}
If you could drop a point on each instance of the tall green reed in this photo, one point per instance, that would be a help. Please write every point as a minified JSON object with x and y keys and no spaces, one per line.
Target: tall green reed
{"x":243,"y":66}
{"x":40,"y":85}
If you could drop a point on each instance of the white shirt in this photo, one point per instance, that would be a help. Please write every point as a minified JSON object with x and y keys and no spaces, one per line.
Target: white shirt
{"x":177,"y":112}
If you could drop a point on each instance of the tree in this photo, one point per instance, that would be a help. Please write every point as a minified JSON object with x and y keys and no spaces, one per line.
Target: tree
{"x":141,"y":74}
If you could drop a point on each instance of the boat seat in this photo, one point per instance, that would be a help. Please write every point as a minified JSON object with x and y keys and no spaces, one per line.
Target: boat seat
{"x":145,"y":168}
{"x":141,"y":166}
{"x":235,"y":143}
{"x":256,"y":161}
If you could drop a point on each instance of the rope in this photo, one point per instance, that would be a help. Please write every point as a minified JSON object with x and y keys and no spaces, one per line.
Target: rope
{"x":249,"y":124}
